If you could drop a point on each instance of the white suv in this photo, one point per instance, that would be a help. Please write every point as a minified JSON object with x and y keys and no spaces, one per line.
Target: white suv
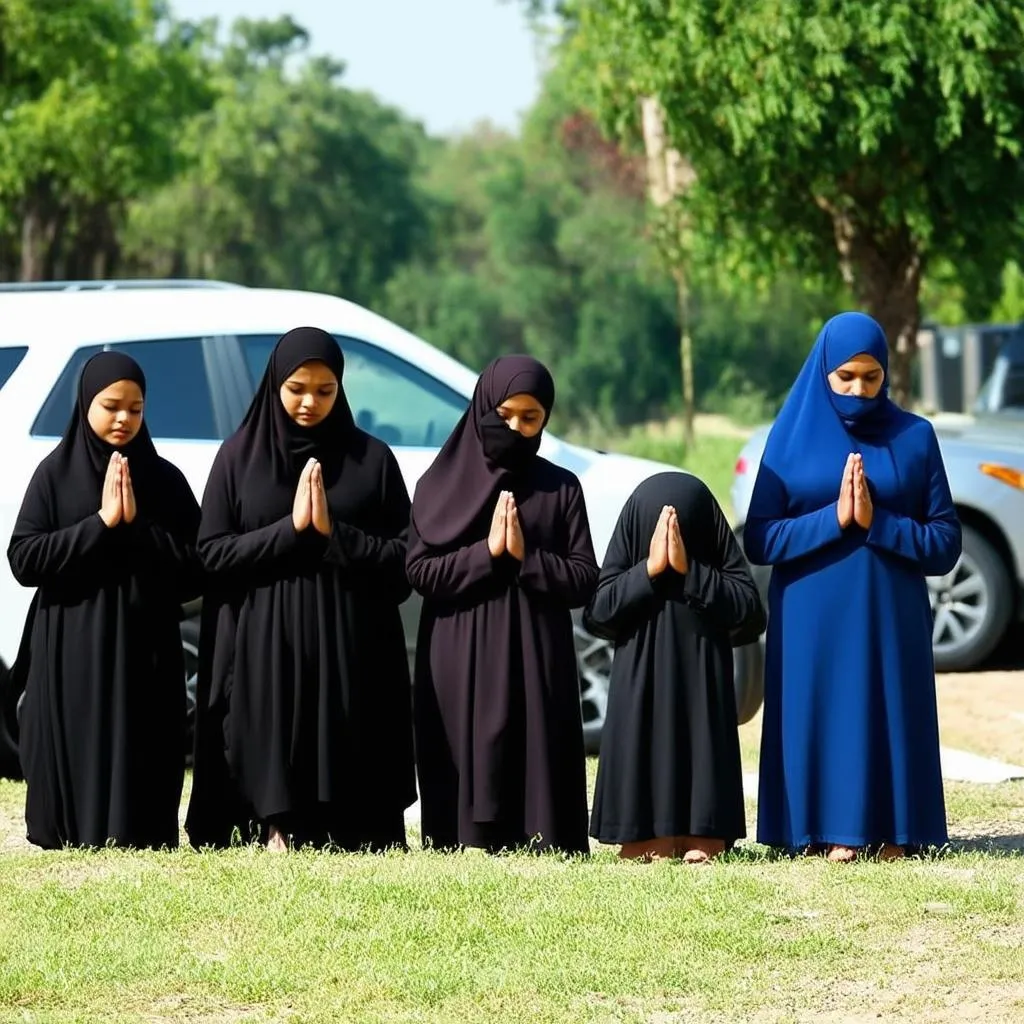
{"x":203,"y":346}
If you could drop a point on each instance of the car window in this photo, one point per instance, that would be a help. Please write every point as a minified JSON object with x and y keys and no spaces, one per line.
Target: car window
{"x":1013,"y":389}
{"x":9,"y":360}
{"x":391,"y":399}
{"x":178,"y":403}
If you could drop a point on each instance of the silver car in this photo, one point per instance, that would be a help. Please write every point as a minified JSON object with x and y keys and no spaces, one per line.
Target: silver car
{"x":983,"y":597}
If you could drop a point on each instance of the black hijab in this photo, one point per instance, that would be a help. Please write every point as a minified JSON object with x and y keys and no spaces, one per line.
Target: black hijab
{"x":81,"y":458}
{"x":706,"y":534}
{"x":482,"y":454}
{"x":695,"y":507}
{"x":272,"y":448}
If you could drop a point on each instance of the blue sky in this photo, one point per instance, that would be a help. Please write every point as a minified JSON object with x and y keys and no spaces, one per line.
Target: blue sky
{"x":448,"y":63}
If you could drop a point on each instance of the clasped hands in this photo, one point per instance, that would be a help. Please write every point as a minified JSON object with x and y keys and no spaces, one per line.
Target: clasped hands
{"x":667,"y":548}
{"x":506,"y":534}
{"x":310,"y":506}
{"x":854,"y":504}
{"x":117,"y":499}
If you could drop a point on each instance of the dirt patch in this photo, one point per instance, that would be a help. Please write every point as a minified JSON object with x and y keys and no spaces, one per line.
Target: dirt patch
{"x":12,"y":833}
{"x":981,"y":712}
{"x":906,"y":998}
{"x":199,"y":1010}
{"x":977,"y":713}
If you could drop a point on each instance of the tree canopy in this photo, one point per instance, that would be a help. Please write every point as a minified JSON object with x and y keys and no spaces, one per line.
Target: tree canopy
{"x":874,"y":136}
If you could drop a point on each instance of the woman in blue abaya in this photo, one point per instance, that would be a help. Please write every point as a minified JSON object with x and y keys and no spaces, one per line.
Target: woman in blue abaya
{"x":852,"y":509}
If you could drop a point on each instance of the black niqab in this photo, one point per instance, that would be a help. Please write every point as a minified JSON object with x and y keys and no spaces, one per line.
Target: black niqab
{"x":670,"y":759}
{"x":482,"y":455}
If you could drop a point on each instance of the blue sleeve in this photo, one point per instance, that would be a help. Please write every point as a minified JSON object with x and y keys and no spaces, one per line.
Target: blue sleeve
{"x":772,"y":537}
{"x":935,"y":542}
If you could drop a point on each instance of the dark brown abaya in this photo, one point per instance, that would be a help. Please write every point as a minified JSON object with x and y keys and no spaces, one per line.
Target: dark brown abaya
{"x":497,"y":703}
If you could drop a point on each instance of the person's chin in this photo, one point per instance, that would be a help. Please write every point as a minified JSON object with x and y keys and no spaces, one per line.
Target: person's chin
{"x":119,"y":440}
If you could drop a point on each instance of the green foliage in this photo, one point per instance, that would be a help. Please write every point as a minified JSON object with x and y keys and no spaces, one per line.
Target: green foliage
{"x":542,"y":243}
{"x":93,"y":93}
{"x":294,"y":180}
{"x":905,"y":114}
{"x":1010,"y":307}
{"x":866,"y":136}
{"x":140,"y":146}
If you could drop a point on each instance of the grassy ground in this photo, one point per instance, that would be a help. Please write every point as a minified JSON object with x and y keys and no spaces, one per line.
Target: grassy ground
{"x":247,"y":936}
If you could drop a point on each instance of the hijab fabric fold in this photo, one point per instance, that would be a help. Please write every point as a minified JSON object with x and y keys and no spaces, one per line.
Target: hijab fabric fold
{"x":482,"y":454}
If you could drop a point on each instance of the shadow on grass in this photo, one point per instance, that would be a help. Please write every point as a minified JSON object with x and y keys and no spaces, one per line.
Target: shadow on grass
{"x":1009,"y":845}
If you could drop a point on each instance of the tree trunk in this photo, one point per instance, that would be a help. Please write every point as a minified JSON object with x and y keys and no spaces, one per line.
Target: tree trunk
{"x":899,"y":313}
{"x":35,"y":245}
{"x":669,"y":175}
{"x":41,"y":229}
{"x":685,"y":356}
{"x":884,"y":271}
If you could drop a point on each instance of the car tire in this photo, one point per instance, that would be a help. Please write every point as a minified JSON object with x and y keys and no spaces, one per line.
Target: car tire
{"x":748,"y":680}
{"x":10,"y":764}
{"x":190,"y":653}
{"x":594,"y":659}
{"x":594,"y":664}
{"x":971,"y":606}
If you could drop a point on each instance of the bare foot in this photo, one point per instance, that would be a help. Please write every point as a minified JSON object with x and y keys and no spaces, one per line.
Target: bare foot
{"x":699,"y":849}
{"x":646,"y":850}
{"x":842,"y":854}
{"x":276,"y":843}
{"x":889,"y":851}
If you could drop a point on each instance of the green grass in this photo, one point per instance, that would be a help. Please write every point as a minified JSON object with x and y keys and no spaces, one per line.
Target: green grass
{"x":243,"y":935}
{"x":413,"y":938}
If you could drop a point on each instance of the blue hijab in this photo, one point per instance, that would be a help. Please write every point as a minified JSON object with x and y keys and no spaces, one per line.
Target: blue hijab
{"x":814,"y":418}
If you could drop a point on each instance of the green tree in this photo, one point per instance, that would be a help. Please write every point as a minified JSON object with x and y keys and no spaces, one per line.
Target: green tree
{"x":870,"y":136}
{"x":92,"y":93}
{"x":292,"y":179}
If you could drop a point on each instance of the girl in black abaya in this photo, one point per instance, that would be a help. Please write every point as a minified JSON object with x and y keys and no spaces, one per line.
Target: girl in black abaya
{"x":675,"y":594}
{"x":304,"y":731}
{"x":107,"y":534}
{"x":500,"y":549}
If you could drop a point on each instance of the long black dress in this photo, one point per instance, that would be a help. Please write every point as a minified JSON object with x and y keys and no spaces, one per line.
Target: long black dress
{"x":499,"y":730}
{"x":304,"y":716}
{"x":102,"y":729}
{"x":670,"y":756}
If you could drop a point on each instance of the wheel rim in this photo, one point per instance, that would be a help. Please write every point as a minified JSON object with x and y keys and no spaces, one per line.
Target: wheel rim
{"x":594,"y":657}
{"x":191,"y":658}
{"x":960,"y":605}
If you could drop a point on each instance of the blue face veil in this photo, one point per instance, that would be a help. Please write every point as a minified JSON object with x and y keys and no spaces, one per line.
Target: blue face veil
{"x":815,"y":421}
{"x":841,"y":339}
